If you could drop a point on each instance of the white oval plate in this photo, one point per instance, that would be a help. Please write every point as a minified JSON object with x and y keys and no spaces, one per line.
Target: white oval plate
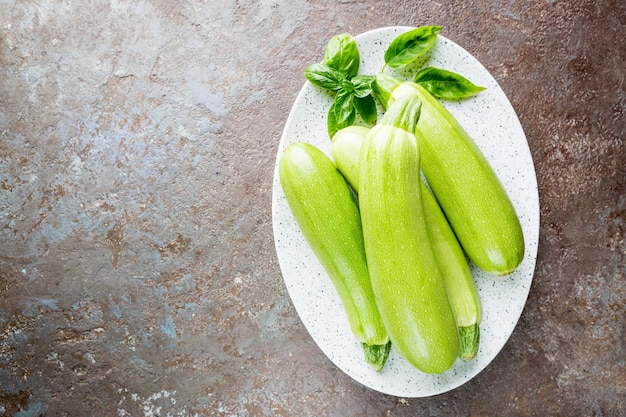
{"x":491,"y":121}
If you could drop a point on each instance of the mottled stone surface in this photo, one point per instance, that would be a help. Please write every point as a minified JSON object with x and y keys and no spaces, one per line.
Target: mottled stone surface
{"x":138,"y":275}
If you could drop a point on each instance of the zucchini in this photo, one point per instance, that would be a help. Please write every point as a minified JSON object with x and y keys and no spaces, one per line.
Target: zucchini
{"x":460,"y":285}
{"x":465,"y":185}
{"x":328,"y":216}
{"x":345,"y":148}
{"x":406,"y":280}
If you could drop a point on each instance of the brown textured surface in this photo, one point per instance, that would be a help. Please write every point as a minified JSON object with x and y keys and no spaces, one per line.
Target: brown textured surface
{"x":138,"y":275}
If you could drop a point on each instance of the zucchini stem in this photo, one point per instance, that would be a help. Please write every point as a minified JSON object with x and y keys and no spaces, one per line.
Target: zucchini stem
{"x":469,"y":337}
{"x":383,"y":87}
{"x":404,"y":114}
{"x":376,"y":355}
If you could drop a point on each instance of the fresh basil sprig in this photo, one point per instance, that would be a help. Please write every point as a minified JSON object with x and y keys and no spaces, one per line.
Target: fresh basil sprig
{"x":338,"y":73}
{"x":446,"y":84}
{"x":410,"y":45}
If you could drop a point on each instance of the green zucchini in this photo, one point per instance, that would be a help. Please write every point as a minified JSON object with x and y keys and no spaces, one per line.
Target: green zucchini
{"x":460,"y":285}
{"x":465,"y":185}
{"x":328,"y":216}
{"x":406,"y":280}
{"x":345,"y":148}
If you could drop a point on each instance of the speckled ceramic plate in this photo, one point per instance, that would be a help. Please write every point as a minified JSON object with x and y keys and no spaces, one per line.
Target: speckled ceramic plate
{"x":490,"y":119}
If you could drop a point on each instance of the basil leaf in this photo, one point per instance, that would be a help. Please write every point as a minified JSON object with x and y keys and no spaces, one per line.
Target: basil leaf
{"x":446,"y":84}
{"x":324,"y":76}
{"x":342,"y":112}
{"x":366,"y":107}
{"x":362,"y":85}
{"x":409,"y":46}
{"x":342,"y":54}
{"x":344,"y":107}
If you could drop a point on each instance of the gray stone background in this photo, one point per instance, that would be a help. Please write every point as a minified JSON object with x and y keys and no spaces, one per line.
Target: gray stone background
{"x":138,"y":275}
